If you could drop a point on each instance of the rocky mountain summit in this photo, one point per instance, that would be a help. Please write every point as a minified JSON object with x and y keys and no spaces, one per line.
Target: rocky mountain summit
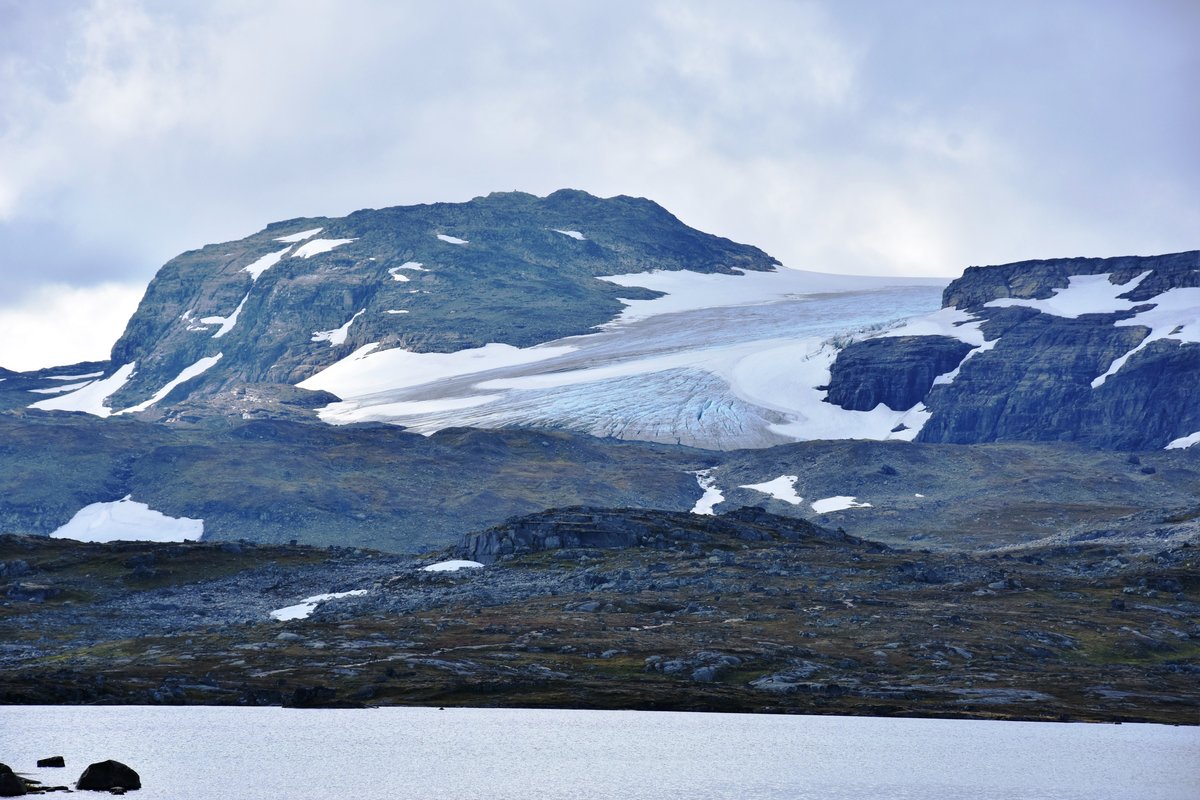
{"x":1100,"y":351}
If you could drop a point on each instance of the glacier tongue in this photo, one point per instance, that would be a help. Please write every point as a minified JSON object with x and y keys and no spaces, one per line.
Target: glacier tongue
{"x":724,"y":377}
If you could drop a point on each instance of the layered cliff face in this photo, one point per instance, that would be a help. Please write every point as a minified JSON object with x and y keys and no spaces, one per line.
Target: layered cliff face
{"x":274,"y":308}
{"x":1100,"y":351}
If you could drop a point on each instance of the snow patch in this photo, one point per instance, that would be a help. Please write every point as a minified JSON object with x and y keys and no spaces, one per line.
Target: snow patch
{"x":1184,"y":441}
{"x":73,"y":377}
{"x":1084,"y":294}
{"x":337,"y":335}
{"x":127,"y":520}
{"x":318,"y":246}
{"x":396,"y":311}
{"x":67,"y":387}
{"x":309,"y":604}
{"x":691,"y":291}
{"x":712,"y":495}
{"x":451,"y":239}
{"x":185,"y":375}
{"x":452,"y":566}
{"x":292,"y":238}
{"x":363,"y":373}
{"x":265,"y":263}
{"x":839,"y":502}
{"x":226,"y":323}
{"x":1175,"y":316}
{"x":782,"y":488}
{"x":89,"y":399}
{"x":573,"y":234}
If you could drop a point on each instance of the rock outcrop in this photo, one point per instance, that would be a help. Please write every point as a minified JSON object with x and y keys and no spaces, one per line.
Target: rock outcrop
{"x":1104,"y":352}
{"x":622,"y":528}
{"x":897,"y":371}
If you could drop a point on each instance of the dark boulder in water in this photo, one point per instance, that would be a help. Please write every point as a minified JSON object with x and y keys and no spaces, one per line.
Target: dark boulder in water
{"x":10,"y":784}
{"x":105,"y":775}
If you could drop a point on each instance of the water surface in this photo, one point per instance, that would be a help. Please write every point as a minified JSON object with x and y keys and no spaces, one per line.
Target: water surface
{"x":473,"y":754}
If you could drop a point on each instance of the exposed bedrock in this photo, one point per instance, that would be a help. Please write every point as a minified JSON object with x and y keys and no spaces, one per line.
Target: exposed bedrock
{"x":1039,"y":279}
{"x":896,"y":371}
{"x":1043,"y":377}
{"x":620,"y":528}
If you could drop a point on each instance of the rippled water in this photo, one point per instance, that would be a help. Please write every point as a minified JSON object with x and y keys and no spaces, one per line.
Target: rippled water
{"x":252,"y":753}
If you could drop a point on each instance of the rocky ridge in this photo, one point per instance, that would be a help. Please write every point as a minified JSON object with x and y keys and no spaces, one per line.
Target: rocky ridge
{"x":1100,"y":351}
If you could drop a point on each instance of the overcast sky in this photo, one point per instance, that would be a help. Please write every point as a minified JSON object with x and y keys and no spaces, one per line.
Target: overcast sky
{"x":866,"y":137}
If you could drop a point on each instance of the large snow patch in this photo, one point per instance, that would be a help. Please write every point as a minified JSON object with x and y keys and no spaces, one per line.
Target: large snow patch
{"x":128,"y":520}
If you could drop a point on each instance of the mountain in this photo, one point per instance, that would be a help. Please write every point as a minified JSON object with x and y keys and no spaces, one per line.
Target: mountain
{"x":1105,"y":352}
{"x":274,"y":308}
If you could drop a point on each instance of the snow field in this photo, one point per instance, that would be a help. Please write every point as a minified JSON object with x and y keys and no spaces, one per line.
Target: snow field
{"x":292,"y":238}
{"x":308,"y":605}
{"x":185,"y":375}
{"x":89,"y":399}
{"x":226,"y":323}
{"x":453,"y":565}
{"x":1184,"y":441}
{"x":318,"y":246}
{"x":839,"y":502}
{"x":266,"y":262}
{"x":337,"y":336}
{"x":127,"y":520}
{"x":367,"y":371}
{"x":712,"y":495}
{"x":782,"y":488}
{"x":66,"y":387}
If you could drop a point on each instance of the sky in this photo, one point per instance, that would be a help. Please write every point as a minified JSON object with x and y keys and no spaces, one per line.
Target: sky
{"x":911,"y":137}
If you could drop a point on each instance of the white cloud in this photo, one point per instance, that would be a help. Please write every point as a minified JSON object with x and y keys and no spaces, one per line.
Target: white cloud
{"x":909,"y":138}
{"x":58,"y":324}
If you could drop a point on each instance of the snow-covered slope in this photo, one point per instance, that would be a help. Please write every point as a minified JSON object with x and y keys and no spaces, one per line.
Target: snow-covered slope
{"x":720,"y":361}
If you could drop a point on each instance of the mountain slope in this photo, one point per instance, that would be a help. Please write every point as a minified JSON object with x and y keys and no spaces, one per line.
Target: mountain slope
{"x":509,"y":268}
{"x":1101,"y":351}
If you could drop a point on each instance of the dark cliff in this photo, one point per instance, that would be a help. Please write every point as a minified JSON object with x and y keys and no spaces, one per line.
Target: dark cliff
{"x":1044,"y":376}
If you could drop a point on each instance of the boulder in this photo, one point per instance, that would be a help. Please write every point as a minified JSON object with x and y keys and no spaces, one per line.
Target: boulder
{"x":10,"y":784}
{"x":106,"y":775}
{"x":52,"y":761}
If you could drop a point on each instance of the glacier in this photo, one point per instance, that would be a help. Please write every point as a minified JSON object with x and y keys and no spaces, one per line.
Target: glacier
{"x":719,"y":361}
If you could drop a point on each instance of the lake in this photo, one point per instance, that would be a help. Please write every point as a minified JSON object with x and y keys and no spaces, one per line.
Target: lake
{"x":464,"y":754}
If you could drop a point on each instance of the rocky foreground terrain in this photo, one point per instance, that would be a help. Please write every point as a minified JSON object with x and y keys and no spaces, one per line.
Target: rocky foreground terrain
{"x":621,"y":609}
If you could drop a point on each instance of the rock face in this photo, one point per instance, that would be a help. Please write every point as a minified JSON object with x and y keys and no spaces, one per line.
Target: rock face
{"x":512,"y":268}
{"x":897,"y":371}
{"x":1118,"y":372}
{"x":107,"y":775}
{"x":621,"y":528}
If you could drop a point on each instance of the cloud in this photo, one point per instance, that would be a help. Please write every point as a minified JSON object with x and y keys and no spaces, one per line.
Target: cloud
{"x":892,"y":137}
{"x":59,"y":324}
